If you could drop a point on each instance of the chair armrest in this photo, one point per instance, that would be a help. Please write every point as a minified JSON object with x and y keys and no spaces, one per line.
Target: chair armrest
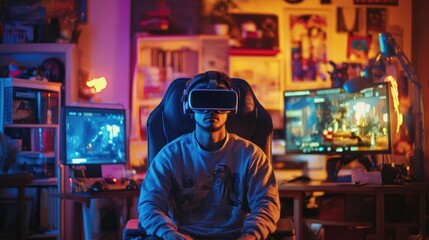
{"x":285,"y":230}
{"x":132,"y":230}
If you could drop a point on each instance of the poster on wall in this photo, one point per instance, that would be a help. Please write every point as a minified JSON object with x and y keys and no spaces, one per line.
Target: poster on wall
{"x":254,"y":34}
{"x":307,"y":48}
{"x":358,"y":47}
{"x":376,"y":19}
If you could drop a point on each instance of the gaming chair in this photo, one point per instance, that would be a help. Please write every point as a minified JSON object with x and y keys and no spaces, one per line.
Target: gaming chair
{"x":168,"y":121}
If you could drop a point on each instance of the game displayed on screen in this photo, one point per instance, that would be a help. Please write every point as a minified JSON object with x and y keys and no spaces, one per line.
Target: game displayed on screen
{"x":332,"y":121}
{"x":94,"y":135}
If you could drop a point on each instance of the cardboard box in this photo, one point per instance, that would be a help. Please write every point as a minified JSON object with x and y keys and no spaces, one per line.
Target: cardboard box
{"x":358,"y":208}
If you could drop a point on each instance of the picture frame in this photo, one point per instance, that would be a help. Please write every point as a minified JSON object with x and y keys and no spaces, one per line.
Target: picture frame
{"x":358,"y":47}
{"x":307,"y":43}
{"x":24,"y":107}
{"x":263,"y":75}
{"x":376,"y":19}
{"x":254,"y":34}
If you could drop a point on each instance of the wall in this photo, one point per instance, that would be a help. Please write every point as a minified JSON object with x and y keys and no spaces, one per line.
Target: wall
{"x":420,"y":58}
{"x":105,"y":39}
{"x":397,"y":15}
{"x":337,"y":48}
{"x":104,"y":44}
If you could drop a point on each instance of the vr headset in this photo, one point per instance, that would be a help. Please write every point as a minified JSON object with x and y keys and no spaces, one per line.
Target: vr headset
{"x":208,"y":99}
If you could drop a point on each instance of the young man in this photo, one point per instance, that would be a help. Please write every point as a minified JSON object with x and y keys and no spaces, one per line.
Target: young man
{"x":209,"y":184}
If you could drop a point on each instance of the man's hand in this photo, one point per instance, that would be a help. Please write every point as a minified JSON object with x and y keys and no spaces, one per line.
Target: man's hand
{"x":247,"y":236}
{"x":175,"y":235}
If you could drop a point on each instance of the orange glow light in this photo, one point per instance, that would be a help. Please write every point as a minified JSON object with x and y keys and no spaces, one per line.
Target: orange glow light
{"x":97,"y":84}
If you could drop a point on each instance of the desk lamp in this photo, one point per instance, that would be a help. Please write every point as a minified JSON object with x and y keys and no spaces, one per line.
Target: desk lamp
{"x":388,"y":49}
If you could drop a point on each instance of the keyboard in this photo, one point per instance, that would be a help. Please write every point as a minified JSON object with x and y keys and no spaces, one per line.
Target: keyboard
{"x":101,"y":185}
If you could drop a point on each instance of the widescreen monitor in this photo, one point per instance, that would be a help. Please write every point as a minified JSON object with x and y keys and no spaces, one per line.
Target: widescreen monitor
{"x":331,"y":121}
{"x":92,"y":135}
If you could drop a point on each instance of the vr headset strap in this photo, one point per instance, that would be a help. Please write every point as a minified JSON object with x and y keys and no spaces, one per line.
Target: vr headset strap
{"x":212,"y":79}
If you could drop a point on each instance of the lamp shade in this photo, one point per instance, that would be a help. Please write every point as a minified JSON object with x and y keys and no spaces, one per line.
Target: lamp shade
{"x":356,"y":84}
{"x":387,"y":44}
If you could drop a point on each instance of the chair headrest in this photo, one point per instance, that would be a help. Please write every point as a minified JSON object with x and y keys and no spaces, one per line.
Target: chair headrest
{"x":168,"y":118}
{"x":175,"y":123}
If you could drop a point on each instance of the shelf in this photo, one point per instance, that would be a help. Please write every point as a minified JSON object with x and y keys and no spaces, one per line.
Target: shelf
{"x":36,"y":154}
{"x":162,"y":58}
{"x":33,"y":54}
{"x":32,"y":125}
{"x":44,"y":182}
{"x":46,"y":235}
{"x":40,"y":85}
{"x":30,"y":115}
{"x":252,"y":52}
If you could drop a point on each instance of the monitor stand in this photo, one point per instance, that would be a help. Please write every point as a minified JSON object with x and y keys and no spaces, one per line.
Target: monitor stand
{"x":334,"y":164}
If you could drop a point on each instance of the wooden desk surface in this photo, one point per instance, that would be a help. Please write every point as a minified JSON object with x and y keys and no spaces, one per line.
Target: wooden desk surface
{"x":15,"y":179}
{"x":314,"y":186}
{"x":87,"y":196}
{"x":297,"y":190}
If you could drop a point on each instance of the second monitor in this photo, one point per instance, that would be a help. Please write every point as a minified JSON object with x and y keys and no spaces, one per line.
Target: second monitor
{"x":331,"y":121}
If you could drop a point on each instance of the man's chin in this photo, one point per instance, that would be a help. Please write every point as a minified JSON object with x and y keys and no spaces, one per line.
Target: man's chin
{"x":210,"y":128}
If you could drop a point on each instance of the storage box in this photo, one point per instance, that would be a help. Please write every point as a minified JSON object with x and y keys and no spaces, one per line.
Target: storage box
{"x":359,"y":208}
{"x":332,"y":207}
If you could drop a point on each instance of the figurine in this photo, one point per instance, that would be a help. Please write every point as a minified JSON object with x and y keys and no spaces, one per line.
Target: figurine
{"x":39,"y":74}
{"x":14,"y":70}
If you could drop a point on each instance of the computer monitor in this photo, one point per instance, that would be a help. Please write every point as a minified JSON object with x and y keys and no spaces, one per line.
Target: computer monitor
{"x":331,"y":121}
{"x":93,"y":135}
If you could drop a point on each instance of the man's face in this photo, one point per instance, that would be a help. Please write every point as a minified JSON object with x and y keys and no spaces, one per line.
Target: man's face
{"x":210,"y":120}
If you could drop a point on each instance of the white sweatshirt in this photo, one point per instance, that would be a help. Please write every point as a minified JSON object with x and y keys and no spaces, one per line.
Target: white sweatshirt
{"x":214,"y":194}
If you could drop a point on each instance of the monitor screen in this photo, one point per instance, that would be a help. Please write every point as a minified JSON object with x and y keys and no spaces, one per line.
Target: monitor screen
{"x":331,"y":121}
{"x":93,"y":135}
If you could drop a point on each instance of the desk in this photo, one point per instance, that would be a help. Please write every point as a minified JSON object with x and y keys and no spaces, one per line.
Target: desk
{"x":20,"y":181}
{"x":85,"y":200}
{"x":296,"y":192}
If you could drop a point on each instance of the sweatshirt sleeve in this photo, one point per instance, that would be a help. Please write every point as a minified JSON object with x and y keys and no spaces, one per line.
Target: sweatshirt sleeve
{"x":153,"y":202}
{"x":263,"y":198}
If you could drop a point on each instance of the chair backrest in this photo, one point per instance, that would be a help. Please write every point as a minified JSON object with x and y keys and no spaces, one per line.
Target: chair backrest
{"x":167,"y":121}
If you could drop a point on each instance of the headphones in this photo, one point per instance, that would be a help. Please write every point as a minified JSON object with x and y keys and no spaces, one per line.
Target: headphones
{"x":213,"y":77}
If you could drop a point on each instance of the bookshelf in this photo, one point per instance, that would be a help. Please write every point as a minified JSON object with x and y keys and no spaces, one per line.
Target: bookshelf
{"x":30,"y":117}
{"x":33,"y":55}
{"x":158,"y":61}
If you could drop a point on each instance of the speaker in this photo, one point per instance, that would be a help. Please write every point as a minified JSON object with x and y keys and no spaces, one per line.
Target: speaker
{"x":389,"y":173}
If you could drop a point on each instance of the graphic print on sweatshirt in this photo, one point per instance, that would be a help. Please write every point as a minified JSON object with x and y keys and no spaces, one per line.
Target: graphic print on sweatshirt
{"x":212,"y":194}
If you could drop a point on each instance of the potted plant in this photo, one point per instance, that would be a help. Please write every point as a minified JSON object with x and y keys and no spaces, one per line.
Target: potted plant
{"x":220,"y":16}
